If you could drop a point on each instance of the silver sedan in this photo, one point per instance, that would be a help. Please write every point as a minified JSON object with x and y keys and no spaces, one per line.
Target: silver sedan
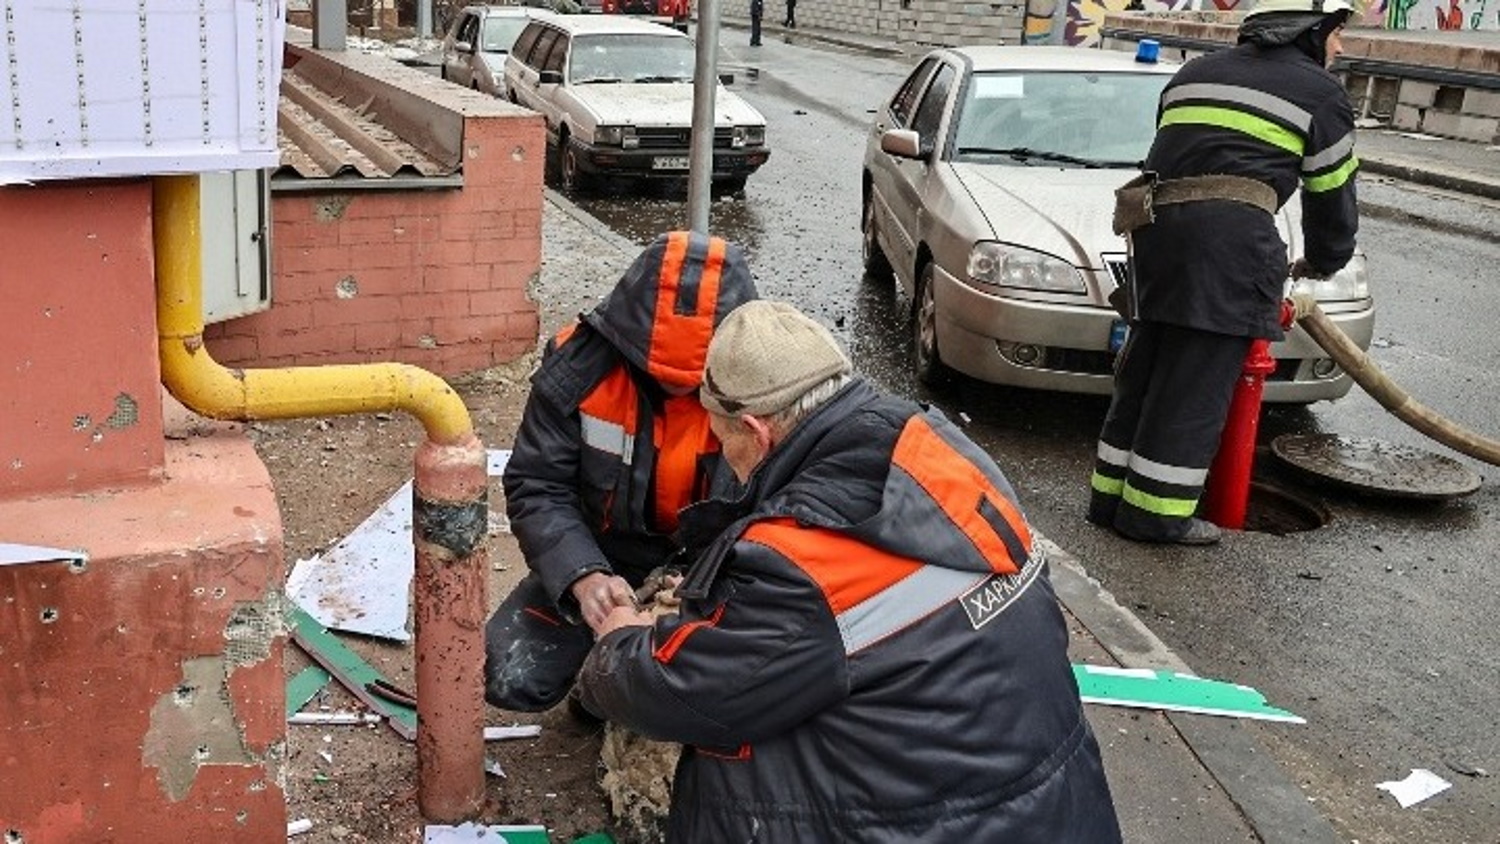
{"x":989,"y":184}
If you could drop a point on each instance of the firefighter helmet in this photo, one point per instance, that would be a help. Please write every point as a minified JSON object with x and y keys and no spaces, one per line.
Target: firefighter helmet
{"x":1316,"y":7}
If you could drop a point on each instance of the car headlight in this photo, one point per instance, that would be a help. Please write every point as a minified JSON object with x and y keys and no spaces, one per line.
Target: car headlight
{"x":1352,"y":283}
{"x":1004,"y":265}
{"x":748,"y":136}
{"x":616,"y":136}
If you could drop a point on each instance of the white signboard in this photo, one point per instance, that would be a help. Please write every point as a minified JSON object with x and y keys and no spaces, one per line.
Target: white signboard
{"x":138,"y":87}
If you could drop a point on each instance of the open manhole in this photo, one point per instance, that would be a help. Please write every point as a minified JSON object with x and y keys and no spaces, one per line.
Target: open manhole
{"x":1373,"y":467}
{"x":1276,"y":510}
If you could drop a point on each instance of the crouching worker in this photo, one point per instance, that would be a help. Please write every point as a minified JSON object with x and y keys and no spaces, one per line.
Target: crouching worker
{"x":612,"y":443}
{"x":870,"y":650}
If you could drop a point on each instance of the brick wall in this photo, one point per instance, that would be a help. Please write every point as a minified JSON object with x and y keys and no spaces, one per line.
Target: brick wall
{"x":435,"y":278}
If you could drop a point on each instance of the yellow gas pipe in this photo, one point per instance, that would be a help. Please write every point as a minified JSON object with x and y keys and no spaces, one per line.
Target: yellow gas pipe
{"x":449,"y":497}
{"x":212,"y":390}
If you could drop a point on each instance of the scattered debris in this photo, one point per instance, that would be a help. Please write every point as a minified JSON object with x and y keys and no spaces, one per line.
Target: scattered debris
{"x":304,"y":687}
{"x":493,"y":768}
{"x":1419,"y":785}
{"x":472,"y":833}
{"x":1149,"y":688}
{"x":391,"y":692}
{"x":1466,"y":770}
{"x":353,"y":672}
{"x":298,"y":827}
{"x":327,"y":757}
{"x":521,"y":731}
{"x":363,"y":583}
{"x":334,"y":718}
{"x":12,"y":554}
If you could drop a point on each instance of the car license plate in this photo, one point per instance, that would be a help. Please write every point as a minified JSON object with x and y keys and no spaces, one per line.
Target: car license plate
{"x":1117,"y":332}
{"x":669,"y":162}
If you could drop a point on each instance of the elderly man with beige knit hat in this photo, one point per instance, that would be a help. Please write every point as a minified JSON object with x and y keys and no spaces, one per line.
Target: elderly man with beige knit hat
{"x":868,"y":647}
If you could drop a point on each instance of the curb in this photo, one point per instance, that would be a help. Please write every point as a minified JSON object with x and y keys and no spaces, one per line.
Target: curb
{"x":1425,"y":175}
{"x":1276,"y":809}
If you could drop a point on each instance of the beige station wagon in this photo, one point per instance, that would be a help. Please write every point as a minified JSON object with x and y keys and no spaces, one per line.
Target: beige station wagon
{"x":617,"y":94}
{"x":988,"y":193}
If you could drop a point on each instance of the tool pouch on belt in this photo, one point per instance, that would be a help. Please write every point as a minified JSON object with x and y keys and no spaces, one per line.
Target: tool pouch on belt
{"x":1133,"y":203}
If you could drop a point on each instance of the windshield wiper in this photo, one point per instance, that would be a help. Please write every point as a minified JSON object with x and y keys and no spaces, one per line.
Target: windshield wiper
{"x":598,"y":80}
{"x":1027,"y":153}
{"x":662,"y":79}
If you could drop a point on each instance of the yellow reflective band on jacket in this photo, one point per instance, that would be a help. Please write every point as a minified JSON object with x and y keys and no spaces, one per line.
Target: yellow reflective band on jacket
{"x":1159,"y":505}
{"x":1331,"y":180}
{"x":1238,"y":121}
{"x":1106,"y":484}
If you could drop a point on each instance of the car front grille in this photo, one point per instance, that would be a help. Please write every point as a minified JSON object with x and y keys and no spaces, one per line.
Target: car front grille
{"x":1118,"y":269}
{"x":1078,"y":360}
{"x":668,"y":136}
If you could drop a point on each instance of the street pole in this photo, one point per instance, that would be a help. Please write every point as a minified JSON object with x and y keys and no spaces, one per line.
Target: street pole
{"x":424,"y":18}
{"x":705,"y":85}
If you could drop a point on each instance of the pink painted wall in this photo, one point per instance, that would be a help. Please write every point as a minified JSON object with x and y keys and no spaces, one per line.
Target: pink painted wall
{"x":435,"y":278}
{"x":80,"y":404}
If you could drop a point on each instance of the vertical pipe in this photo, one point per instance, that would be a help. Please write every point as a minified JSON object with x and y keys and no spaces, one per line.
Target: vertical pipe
{"x":450,"y":521}
{"x":705,"y":86}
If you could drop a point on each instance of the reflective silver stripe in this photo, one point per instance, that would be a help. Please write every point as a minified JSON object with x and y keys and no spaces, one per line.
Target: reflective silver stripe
{"x":1267,"y":103}
{"x":1328,"y":157}
{"x":1179,"y":475}
{"x":904,"y":603}
{"x":608,"y":436}
{"x":1113,"y":456}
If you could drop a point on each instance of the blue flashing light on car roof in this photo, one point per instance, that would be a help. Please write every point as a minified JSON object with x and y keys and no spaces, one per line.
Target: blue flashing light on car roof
{"x":1147,"y":50}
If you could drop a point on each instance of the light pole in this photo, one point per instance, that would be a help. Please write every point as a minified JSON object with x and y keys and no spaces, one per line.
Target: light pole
{"x":705,"y":85}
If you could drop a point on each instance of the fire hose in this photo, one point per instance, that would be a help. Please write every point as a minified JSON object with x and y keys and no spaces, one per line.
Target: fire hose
{"x":1361,"y":367}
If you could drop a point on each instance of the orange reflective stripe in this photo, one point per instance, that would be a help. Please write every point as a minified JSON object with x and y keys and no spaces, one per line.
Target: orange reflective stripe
{"x":847,"y":570}
{"x":679,"y":637}
{"x":679,"y":342}
{"x":740,"y":753}
{"x":562,"y":336}
{"x":682,"y":435}
{"x":958,"y":486}
{"x":614,"y":400}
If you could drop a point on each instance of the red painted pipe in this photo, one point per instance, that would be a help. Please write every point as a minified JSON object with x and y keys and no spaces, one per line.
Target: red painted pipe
{"x":450,"y":520}
{"x":1227,"y":495}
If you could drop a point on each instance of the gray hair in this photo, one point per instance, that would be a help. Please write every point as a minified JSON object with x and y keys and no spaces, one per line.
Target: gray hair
{"x":787,"y":419}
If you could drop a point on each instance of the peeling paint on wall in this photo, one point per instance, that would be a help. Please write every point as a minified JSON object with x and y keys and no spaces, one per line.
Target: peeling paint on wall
{"x":126,"y":413}
{"x":252,"y":627}
{"x":330,"y":208}
{"x":193,"y":725}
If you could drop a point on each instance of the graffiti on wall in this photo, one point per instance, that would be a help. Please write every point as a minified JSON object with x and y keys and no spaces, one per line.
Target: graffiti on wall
{"x":1076,"y":22}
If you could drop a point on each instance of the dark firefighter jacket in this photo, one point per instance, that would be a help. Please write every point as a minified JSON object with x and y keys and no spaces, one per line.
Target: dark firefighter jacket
{"x":1269,"y":114}
{"x":870,"y":652}
{"x":605,"y":456}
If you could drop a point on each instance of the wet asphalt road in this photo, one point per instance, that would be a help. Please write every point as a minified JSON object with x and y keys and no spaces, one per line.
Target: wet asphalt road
{"x":1378,"y":627}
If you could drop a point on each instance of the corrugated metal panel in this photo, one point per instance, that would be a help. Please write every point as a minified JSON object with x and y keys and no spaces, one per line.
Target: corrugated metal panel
{"x":323,"y":138}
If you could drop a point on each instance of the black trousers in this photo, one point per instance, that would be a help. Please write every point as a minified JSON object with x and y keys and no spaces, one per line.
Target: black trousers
{"x":755,"y":30}
{"x":1173,"y":387}
{"x":791,"y":15}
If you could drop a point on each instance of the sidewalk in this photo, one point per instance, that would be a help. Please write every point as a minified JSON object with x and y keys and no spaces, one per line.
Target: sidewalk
{"x":1176,"y":779}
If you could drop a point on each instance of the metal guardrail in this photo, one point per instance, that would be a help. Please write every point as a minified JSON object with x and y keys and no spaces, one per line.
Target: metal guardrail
{"x":1367,"y":66}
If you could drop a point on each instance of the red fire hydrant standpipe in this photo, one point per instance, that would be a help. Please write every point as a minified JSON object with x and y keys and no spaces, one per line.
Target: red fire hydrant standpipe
{"x":1227,"y":494}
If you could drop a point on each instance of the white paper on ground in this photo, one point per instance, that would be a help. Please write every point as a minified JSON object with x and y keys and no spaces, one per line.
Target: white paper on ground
{"x":363,"y":583}
{"x":12,"y":554}
{"x":1419,"y":785}
{"x":519,"y":731}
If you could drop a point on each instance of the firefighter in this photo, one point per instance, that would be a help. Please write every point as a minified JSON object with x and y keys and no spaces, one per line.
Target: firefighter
{"x":869,"y":649}
{"x":611,"y":444}
{"x":1238,"y":130}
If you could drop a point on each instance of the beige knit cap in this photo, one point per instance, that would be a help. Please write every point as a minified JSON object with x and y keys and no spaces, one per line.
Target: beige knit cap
{"x":764,"y":356}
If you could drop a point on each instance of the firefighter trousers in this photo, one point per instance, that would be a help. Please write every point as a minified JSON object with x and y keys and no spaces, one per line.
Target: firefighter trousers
{"x":1172,"y":391}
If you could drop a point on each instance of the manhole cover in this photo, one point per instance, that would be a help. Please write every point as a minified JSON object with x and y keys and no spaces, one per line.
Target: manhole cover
{"x":1375,"y":467}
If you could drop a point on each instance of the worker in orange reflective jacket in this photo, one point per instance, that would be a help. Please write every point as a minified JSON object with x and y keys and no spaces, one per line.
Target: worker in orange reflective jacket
{"x":1239,"y":131}
{"x":612,"y":443}
{"x":869,"y":648}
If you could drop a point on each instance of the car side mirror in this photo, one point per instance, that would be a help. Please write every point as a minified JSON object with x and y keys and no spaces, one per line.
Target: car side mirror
{"x":726,"y":78}
{"x":902,"y":143}
{"x":549,"y":77}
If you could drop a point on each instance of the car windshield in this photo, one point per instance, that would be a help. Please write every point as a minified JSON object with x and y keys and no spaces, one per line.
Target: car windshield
{"x":631,"y":58}
{"x":501,"y":33}
{"x":1042,"y":118}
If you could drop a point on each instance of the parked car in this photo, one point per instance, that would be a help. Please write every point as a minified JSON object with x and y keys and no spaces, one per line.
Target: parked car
{"x":675,"y":13}
{"x":989,"y":184}
{"x":617,"y":95}
{"x":475,"y":47}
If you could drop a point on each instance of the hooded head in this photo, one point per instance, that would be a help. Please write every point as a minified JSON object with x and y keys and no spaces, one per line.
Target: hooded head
{"x":663,"y":312}
{"x":1305,"y":24}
